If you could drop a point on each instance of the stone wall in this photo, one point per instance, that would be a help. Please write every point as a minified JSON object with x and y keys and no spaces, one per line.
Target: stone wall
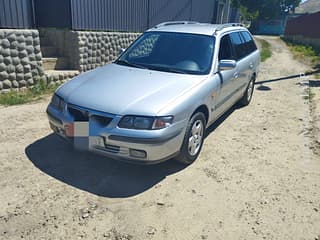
{"x":99,"y":48}
{"x":87,"y":50}
{"x":20,"y":58}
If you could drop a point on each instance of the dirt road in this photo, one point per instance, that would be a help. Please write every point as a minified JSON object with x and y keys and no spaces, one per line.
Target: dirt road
{"x":256,"y":178}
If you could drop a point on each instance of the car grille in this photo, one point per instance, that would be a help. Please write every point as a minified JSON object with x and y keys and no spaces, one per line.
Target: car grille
{"x":112,"y":149}
{"x":83,"y":115}
{"x":102,"y":120}
{"x":79,"y":115}
{"x":109,"y":148}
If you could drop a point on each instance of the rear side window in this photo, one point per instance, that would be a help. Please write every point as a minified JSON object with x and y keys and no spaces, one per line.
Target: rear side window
{"x":238,"y":45}
{"x":243,"y":44}
{"x":249,"y":44}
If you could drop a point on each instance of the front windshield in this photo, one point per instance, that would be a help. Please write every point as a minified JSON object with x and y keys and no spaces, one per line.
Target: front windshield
{"x":171,"y":52}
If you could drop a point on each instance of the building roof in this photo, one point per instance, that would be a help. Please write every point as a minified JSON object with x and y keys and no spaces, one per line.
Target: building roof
{"x":309,"y":6}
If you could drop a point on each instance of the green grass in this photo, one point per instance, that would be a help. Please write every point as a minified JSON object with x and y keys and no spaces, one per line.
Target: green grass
{"x":304,"y":53}
{"x":265,"y":49}
{"x":37,"y":92}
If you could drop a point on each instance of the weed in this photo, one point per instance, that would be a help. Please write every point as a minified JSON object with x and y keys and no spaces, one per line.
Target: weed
{"x":265,"y":51}
{"x":304,"y":53}
{"x":32,"y":94}
{"x":310,"y":95}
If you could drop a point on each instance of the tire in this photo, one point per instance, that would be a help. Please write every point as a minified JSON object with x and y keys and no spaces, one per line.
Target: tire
{"x":246,"y":99}
{"x":193,"y":139}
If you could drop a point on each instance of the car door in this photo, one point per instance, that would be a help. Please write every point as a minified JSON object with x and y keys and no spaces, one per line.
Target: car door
{"x":244,"y":46}
{"x":250,"y":62}
{"x":240,"y":53}
{"x":227,"y":77}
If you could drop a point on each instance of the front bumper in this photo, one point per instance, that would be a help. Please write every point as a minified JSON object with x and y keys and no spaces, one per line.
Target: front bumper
{"x":99,"y":132}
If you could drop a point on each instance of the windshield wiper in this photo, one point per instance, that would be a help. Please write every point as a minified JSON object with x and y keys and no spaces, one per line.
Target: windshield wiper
{"x":166,"y":69}
{"x":129,"y":64}
{"x":174,"y":70}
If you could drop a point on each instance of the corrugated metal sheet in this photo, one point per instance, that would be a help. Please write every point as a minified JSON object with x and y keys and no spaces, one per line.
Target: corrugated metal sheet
{"x":16,"y":14}
{"x":306,"y":26}
{"x":138,"y":15}
{"x":203,"y":11}
{"x":122,"y":15}
{"x":116,"y":15}
{"x":168,"y":10}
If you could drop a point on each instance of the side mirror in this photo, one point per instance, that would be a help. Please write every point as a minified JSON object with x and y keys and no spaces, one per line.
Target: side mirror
{"x":225,"y":65}
{"x":121,"y":51}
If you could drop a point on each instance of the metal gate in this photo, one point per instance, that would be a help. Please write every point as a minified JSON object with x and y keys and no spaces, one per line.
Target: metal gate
{"x":114,"y":15}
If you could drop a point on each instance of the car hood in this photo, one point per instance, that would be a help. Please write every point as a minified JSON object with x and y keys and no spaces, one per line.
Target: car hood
{"x":125,"y":90}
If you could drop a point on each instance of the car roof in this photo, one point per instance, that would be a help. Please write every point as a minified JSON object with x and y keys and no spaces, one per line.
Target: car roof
{"x":196,"y":28}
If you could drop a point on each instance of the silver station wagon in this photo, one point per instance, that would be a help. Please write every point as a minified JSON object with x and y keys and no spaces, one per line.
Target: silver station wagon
{"x":156,"y":100}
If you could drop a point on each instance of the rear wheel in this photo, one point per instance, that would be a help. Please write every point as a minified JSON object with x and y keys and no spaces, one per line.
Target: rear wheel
{"x":193,"y":139}
{"x":246,"y":99}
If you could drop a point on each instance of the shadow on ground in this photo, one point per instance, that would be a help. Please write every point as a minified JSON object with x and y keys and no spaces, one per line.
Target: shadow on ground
{"x":302,"y":75}
{"x":314,"y":83}
{"x":100,"y":175}
{"x":96,"y":174}
{"x":220,"y":120}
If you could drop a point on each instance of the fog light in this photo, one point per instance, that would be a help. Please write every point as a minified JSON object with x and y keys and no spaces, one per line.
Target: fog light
{"x":138,"y":153}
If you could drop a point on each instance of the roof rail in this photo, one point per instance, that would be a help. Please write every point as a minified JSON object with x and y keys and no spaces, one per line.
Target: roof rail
{"x":174,"y":23}
{"x":225,"y":25}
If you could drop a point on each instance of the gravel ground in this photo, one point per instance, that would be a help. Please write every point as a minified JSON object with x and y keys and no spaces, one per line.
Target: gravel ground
{"x":258,"y":176}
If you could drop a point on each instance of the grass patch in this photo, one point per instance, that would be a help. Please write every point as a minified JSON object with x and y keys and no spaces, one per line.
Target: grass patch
{"x":304,"y":53}
{"x":265,"y":49}
{"x":38,"y":91}
{"x":310,"y":95}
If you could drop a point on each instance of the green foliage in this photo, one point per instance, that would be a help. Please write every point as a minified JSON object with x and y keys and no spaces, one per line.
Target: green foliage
{"x":248,"y":15}
{"x":265,"y":49}
{"x":305,"y":53}
{"x":264,"y":9}
{"x":32,"y":94}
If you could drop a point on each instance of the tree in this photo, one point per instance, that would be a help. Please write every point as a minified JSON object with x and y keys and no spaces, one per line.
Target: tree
{"x":264,"y":9}
{"x":289,"y":5}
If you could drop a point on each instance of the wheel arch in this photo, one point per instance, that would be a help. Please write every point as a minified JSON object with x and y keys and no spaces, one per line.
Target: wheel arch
{"x":204,"y":109}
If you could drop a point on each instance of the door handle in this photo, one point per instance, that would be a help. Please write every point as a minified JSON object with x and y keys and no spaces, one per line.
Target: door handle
{"x":251,"y":65}
{"x":236,"y":75}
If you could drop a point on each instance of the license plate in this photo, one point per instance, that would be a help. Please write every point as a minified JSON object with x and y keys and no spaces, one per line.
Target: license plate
{"x":77,"y":129}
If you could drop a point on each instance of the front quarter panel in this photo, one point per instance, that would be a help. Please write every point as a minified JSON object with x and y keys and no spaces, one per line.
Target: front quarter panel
{"x":204,"y":93}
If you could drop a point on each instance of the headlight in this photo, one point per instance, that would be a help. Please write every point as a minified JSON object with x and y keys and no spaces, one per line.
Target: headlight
{"x":145,"y":123}
{"x":57,"y":102}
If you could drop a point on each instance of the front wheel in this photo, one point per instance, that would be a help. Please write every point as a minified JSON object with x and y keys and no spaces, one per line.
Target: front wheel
{"x":193,"y":139}
{"x":246,"y":99}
